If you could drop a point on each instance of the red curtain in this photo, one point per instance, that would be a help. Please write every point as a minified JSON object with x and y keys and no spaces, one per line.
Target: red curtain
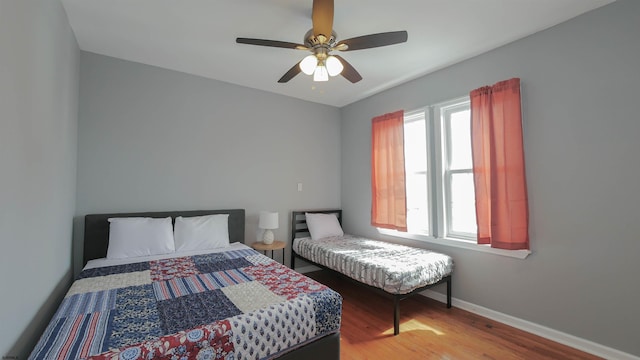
{"x":389,"y":199}
{"x":498,"y":166}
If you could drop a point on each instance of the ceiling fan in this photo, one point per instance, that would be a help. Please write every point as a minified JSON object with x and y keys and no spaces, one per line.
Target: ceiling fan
{"x":321,"y":40}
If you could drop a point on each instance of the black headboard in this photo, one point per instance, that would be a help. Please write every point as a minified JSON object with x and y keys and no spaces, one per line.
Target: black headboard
{"x":299,"y":221}
{"x":96,"y":228}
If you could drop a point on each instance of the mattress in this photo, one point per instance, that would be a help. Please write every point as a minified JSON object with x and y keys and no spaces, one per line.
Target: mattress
{"x":233,"y":303}
{"x":394,"y":268}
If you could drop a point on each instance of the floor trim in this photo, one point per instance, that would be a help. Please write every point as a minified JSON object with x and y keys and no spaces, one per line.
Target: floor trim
{"x":543,"y":331}
{"x":306,"y":269}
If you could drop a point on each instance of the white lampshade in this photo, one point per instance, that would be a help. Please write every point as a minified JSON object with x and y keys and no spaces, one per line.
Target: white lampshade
{"x":334,"y":66}
{"x":268,"y":220}
{"x":321,"y":74}
{"x":308,"y":64}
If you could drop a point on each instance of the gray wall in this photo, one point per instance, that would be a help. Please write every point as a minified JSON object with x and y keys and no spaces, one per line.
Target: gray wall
{"x":154,"y":139}
{"x":39,"y":69}
{"x":581,"y":86}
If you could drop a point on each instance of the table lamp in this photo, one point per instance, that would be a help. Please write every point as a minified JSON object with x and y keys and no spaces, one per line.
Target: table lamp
{"x":268,"y":222}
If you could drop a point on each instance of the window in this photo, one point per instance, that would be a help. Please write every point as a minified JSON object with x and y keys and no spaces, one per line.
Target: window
{"x":416,"y":173}
{"x":459,"y":197}
{"x":439,"y":175}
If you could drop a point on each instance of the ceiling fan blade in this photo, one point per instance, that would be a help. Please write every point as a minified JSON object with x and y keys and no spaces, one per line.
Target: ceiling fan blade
{"x":295,"y":70}
{"x":271,"y":43}
{"x":322,"y":17}
{"x":374,"y":40}
{"x":349,"y":72}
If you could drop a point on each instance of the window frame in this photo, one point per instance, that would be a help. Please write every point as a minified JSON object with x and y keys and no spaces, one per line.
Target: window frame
{"x":412,"y":116}
{"x":437,"y":187}
{"x":442,"y":112}
{"x":438,"y":152}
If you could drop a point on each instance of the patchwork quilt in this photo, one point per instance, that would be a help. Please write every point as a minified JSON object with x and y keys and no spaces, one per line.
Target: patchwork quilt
{"x":235,"y":304}
{"x":394,"y":268}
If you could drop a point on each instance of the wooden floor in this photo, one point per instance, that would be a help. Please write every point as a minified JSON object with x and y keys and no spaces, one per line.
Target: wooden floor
{"x":428,"y":330}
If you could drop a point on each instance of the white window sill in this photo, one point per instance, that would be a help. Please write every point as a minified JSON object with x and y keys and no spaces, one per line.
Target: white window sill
{"x":518,"y":254}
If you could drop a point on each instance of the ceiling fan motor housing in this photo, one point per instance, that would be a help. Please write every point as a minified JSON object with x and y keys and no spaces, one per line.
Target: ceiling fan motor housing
{"x":312,"y":40}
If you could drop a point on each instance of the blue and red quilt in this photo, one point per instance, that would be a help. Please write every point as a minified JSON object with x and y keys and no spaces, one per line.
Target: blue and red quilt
{"x":235,"y":304}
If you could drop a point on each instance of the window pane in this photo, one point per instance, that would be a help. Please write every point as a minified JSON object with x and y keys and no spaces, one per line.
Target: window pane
{"x":415,"y":146}
{"x":417,"y":203}
{"x":460,"y":133}
{"x":463,"y":210}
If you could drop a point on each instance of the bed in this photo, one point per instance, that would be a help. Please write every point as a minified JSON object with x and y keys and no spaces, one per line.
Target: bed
{"x":228,"y":302}
{"x":392,"y":270}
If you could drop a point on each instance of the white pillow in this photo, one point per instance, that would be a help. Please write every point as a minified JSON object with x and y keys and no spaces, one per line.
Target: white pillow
{"x":201,"y":232}
{"x":323,"y":225}
{"x":139,"y":236}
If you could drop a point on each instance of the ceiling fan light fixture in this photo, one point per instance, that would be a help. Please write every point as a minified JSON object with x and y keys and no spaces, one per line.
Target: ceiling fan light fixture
{"x":321,"y":73}
{"x":334,"y":66}
{"x":308,"y":64}
{"x":320,"y":40}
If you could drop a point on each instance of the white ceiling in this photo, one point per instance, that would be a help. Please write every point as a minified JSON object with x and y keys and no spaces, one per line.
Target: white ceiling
{"x":198,"y":37}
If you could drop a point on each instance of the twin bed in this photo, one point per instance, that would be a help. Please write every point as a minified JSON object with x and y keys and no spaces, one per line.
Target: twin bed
{"x":392,"y":270}
{"x":222,"y":300}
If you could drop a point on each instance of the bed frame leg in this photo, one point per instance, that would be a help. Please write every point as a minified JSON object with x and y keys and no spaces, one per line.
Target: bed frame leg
{"x":293,"y":260}
{"x":396,"y":315}
{"x":449,"y":293}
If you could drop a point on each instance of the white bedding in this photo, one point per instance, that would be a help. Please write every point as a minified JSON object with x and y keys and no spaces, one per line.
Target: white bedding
{"x":131,"y":260}
{"x":397,"y":269}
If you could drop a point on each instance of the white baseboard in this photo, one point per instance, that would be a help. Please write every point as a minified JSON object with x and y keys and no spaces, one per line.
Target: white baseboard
{"x":543,"y":331}
{"x":306,"y":269}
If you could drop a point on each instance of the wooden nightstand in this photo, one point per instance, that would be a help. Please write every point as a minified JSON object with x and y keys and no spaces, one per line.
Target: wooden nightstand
{"x":277,"y":245}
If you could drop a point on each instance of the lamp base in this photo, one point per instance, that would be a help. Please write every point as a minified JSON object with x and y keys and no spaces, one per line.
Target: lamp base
{"x":267,"y":237}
